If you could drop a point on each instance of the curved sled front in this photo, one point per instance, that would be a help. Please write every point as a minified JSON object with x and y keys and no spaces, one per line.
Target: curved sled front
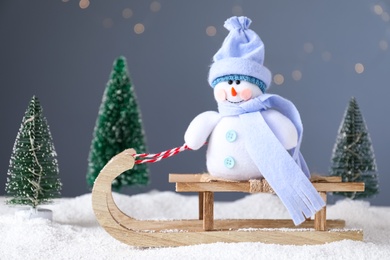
{"x":150,"y":233}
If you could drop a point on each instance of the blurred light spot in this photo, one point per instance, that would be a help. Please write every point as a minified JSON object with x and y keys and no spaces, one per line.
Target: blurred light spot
{"x":359,"y":68}
{"x":308,"y":47}
{"x":278,"y":79}
{"x":296,"y":75}
{"x":326,"y":56}
{"x":385,"y":17}
{"x":65,"y":1}
{"x":383,"y":45}
{"x":84,"y":4}
{"x":139,"y":28}
{"x":127,"y":13}
{"x":155,"y":6}
{"x":378,"y":9}
{"x":211,"y":31}
{"x":108,"y":23}
{"x":237,"y":10}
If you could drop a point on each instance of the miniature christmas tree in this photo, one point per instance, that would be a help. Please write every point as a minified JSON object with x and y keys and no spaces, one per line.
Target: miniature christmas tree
{"x":353,"y":155}
{"x":33,"y":177}
{"x":118,"y":127}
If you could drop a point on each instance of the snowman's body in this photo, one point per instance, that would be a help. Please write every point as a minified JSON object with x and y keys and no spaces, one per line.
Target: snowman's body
{"x":227,"y":156}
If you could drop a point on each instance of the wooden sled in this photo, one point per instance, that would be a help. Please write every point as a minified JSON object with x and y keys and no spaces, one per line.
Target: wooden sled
{"x":157,"y":233}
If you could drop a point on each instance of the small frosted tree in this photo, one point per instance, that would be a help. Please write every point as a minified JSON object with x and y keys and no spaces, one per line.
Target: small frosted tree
{"x":117,"y":128}
{"x":353,"y":155}
{"x":33,"y":175}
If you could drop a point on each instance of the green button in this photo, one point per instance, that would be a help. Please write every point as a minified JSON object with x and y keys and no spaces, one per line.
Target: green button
{"x":229,"y":162}
{"x":231,"y":136}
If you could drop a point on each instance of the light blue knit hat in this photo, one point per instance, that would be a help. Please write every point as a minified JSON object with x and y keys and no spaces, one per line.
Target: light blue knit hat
{"x":240,"y":56}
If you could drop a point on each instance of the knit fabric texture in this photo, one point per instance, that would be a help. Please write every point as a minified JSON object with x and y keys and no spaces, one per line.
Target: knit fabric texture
{"x":250,"y":79}
{"x":242,"y":53}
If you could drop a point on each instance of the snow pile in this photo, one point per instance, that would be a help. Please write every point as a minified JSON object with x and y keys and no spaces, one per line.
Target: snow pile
{"x":75,"y":233}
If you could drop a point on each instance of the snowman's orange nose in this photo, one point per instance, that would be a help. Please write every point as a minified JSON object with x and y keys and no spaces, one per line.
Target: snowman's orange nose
{"x":234,"y":92}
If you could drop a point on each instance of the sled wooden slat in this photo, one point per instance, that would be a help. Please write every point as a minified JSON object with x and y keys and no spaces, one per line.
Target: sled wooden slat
{"x":320,"y":222}
{"x":161,"y":233}
{"x":208,"y":210}
{"x":204,"y":177}
{"x":200,"y":203}
{"x":246,"y":187}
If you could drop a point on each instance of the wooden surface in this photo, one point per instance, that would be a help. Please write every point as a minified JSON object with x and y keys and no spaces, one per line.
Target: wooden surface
{"x":320,"y":222}
{"x":208,"y":211}
{"x":205,"y":177}
{"x":200,"y":207}
{"x":205,"y":182}
{"x":190,"y":232}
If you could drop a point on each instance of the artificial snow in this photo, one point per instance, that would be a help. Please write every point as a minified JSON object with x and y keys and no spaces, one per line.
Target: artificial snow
{"x":75,"y":234}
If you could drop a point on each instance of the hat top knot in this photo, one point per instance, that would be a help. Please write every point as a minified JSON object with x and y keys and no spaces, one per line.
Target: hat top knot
{"x":235,"y":22}
{"x":241,"y":53}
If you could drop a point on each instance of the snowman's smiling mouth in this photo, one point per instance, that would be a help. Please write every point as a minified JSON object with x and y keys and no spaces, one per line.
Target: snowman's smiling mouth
{"x":237,"y":102}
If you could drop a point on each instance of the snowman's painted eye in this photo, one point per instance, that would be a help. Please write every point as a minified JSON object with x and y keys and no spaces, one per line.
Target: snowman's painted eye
{"x":238,"y":82}
{"x":230,"y":82}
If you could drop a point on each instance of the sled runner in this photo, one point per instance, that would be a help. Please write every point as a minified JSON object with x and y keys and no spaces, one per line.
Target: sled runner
{"x":206,"y":229}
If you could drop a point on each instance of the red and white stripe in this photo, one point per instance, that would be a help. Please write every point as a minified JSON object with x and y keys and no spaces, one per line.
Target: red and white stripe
{"x":155,"y":157}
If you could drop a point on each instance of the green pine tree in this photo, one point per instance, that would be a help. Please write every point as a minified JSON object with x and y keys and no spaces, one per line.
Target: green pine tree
{"x":33,"y":176}
{"x":353,"y":155}
{"x":117,"y":128}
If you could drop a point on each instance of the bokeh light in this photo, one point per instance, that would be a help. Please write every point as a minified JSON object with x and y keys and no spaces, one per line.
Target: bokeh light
{"x":278,"y":79}
{"x":378,"y":9}
{"x":296,"y":75}
{"x":385,"y":17}
{"x":155,"y":6}
{"x":211,"y":31}
{"x":359,"y":68}
{"x":127,"y":13}
{"x":139,"y":28}
{"x":84,"y":4}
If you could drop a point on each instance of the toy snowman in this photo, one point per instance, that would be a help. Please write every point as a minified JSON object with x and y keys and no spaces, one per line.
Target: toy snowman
{"x":253,"y":134}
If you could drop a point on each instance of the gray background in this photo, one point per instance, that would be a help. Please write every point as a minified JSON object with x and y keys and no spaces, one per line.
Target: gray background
{"x":64,"y":55}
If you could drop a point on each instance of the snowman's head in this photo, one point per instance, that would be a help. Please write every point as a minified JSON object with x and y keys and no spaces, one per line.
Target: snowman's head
{"x":236,"y":91}
{"x":237,"y":72}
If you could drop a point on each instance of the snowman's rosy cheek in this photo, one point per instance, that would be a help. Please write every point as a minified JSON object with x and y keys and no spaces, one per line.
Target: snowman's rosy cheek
{"x":220,"y":95}
{"x":246,"y":94}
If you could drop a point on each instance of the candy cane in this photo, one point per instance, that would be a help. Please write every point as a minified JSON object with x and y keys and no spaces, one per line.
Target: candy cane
{"x":155,"y":157}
